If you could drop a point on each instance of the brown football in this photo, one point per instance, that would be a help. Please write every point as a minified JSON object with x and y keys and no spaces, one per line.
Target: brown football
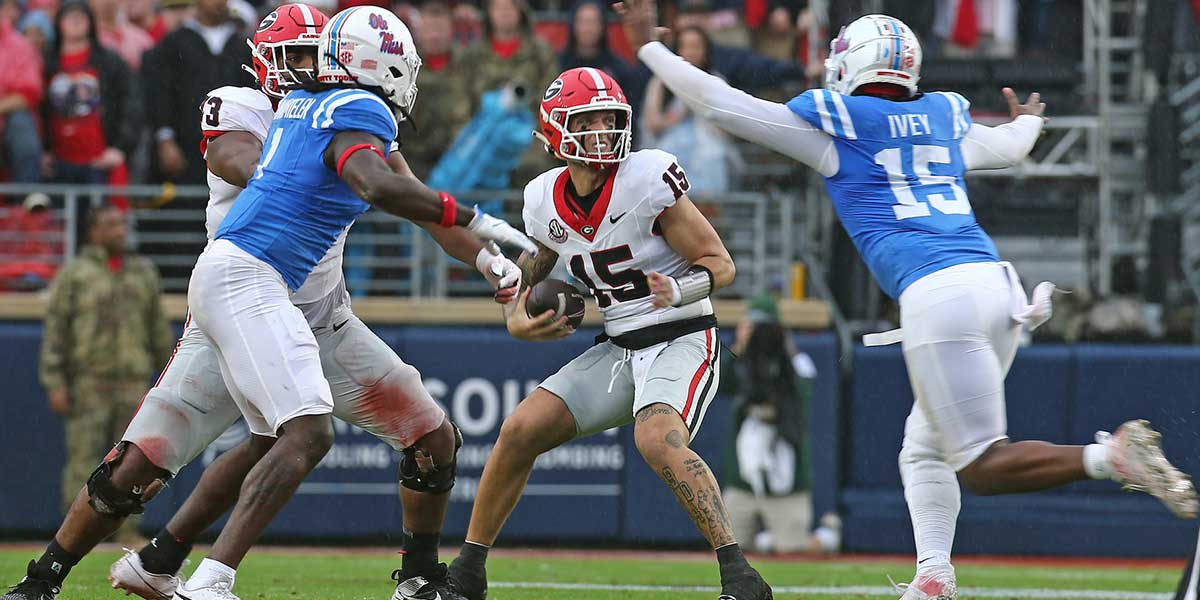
{"x":558,"y":296}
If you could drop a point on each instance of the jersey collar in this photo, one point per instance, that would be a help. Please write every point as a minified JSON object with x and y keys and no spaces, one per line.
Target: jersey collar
{"x":572,"y":215}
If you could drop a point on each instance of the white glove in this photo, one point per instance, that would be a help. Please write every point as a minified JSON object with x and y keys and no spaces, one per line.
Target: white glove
{"x":503,"y":274}
{"x":487,"y":227}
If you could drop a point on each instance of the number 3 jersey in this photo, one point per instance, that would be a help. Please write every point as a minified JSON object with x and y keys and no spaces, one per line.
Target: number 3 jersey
{"x":899,"y":189}
{"x":229,"y":109}
{"x":613,"y":247}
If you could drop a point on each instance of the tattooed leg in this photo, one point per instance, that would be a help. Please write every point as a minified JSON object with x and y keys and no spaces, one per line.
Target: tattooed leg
{"x":662,"y":439}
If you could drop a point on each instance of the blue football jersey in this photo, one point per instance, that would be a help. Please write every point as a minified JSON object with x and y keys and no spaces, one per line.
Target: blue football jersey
{"x":295,"y":206}
{"x":899,"y":187}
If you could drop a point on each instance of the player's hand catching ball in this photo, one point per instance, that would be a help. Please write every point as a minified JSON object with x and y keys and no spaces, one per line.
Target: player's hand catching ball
{"x":489,"y":228}
{"x":543,"y":327}
{"x":502,"y":273}
{"x":665,"y":290}
{"x":1033,"y":105}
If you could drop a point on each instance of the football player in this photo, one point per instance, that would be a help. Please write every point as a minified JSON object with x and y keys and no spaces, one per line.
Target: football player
{"x":190,"y":405}
{"x":893,"y":159}
{"x":624,"y":226}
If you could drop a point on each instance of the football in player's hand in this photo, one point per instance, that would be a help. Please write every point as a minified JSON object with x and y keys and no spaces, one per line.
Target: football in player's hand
{"x":558,"y":296}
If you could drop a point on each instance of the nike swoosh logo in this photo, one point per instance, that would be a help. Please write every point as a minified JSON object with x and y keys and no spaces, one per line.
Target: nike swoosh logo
{"x":616,"y":218}
{"x":341,"y":325}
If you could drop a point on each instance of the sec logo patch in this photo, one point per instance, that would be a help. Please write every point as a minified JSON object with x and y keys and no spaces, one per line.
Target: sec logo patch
{"x":557,"y":233}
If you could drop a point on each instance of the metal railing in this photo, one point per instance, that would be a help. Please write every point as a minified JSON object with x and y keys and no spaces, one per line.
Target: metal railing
{"x":390,"y":256}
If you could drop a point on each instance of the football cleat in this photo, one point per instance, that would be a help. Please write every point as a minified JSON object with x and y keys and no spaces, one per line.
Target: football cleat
{"x":128,"y":574}
{"x":939,"y":585}
{"x":1137,"y":458}
{"x":434,"y":585}
{"x":221,"y":589}
{"x":32,"y":589}
{"x":747,"y":586}
{"x":471,"y":583}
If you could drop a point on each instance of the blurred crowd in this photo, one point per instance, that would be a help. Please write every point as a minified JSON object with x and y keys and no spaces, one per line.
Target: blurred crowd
{"x":108,"y":91}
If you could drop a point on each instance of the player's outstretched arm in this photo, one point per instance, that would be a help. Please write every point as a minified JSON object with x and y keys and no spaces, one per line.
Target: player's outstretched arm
{"x":690,"y":234}
{"x":766,"y":123}
{"x":233,"y":156}
{"x":503,"y":274}
{"x":356,"y":157}
{"x":1008,"y":144}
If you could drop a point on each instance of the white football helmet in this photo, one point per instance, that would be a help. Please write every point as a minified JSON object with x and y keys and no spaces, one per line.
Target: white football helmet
{"x":370,"y":46}
{"x":873,"y":49}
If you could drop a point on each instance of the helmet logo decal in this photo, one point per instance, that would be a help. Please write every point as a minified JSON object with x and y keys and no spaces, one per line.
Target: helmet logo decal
{"x":389,"y":45}
{"x":268,"y":21}
{"x":377,"y":21}
{"x":557,"y":233}
{"x":553,"y":90}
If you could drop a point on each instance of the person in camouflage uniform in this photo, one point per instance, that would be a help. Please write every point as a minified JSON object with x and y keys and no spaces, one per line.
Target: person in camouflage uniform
{"x":509,"y":52}
{"x":444,"y":103}
{"x":104,"y":335}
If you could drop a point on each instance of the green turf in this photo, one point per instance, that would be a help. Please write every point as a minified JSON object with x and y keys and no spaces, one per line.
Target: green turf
{"x":284,"y":575}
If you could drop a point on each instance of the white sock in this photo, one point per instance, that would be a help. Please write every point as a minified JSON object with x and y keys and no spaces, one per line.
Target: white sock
{"x":931,"y":490}
{"x":1097,"y":461}
{"x":211,"y":571}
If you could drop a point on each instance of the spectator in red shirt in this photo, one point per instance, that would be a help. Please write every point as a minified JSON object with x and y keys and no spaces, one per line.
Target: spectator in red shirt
{"x":118,"y":34}
{"x":20,"y":93}
{"x":30,"y":244}
{"x":92,"y":105}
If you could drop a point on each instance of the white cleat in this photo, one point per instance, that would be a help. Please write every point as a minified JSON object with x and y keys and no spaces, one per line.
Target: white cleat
{"x":940,"y":585}
{"x":1138,"y":459}
{"x":221,"y":589}
{"x":128,"y":574}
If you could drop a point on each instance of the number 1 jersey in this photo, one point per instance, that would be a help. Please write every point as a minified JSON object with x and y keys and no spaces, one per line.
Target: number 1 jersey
{"x":899,"y":189}
{"x":613,"y":247}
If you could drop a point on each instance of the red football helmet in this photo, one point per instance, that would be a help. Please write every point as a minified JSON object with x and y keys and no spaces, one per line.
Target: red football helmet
{"x":289,"y":26}
{"x":581,"y":90}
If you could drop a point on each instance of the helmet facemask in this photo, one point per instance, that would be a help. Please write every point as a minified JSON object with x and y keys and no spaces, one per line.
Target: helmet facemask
{"x":278,"y":77}
{"x":612,"y":144}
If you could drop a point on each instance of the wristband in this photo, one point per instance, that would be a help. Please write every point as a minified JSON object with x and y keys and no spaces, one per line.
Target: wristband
{"x":449,"y":209}
{"x":694,"y":286}
{"x":355,"y":148}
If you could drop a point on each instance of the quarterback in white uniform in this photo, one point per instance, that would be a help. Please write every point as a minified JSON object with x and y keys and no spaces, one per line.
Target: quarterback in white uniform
{"x":625,"y":228}
{"x":190,"y":406}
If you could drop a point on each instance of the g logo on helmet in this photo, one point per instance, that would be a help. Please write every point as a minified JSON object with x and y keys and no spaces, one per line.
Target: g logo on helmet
{"x":553,"y":90}
{"x":268,"y":21}
{"x":557,"y":233}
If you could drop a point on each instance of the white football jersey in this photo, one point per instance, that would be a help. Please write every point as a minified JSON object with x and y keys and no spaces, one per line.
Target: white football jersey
{"x":611,"y":249}
{"x":246,"y":109}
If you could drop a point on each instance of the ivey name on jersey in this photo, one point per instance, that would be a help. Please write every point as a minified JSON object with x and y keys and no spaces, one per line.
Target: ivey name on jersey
{"x":612,"y":249}
{"x":228,"y":109}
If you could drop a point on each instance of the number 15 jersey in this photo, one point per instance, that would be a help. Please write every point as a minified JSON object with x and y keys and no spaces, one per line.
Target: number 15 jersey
{"x":899,"y":188}
{"x":613,"y":247}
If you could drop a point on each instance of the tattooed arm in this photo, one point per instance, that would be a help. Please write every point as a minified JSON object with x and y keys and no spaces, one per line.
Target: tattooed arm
{"x":543,"y":326}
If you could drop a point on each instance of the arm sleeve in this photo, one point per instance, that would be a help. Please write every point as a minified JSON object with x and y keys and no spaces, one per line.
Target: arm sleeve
{"x":56,"y":330}
{"x":534,"y":228}
{"x":768,"y":124}
{"x":1001,"y":146}
{"x":667,"y":179}
{"x":357,"y":110}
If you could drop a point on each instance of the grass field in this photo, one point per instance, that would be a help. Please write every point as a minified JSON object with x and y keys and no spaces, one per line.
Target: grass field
{"x":352,"y":574}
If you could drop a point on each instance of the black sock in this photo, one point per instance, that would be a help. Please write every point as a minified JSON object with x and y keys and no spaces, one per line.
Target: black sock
{"x":54,"y":564}
{"x":165,"y":553}
{"x":731,"y":561}
{"x":420,"y":552}
{"x":473,"y":555}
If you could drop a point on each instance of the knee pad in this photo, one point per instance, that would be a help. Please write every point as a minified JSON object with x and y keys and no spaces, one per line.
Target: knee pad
{"x":107,"y":499}
{"x":420,"y":473}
